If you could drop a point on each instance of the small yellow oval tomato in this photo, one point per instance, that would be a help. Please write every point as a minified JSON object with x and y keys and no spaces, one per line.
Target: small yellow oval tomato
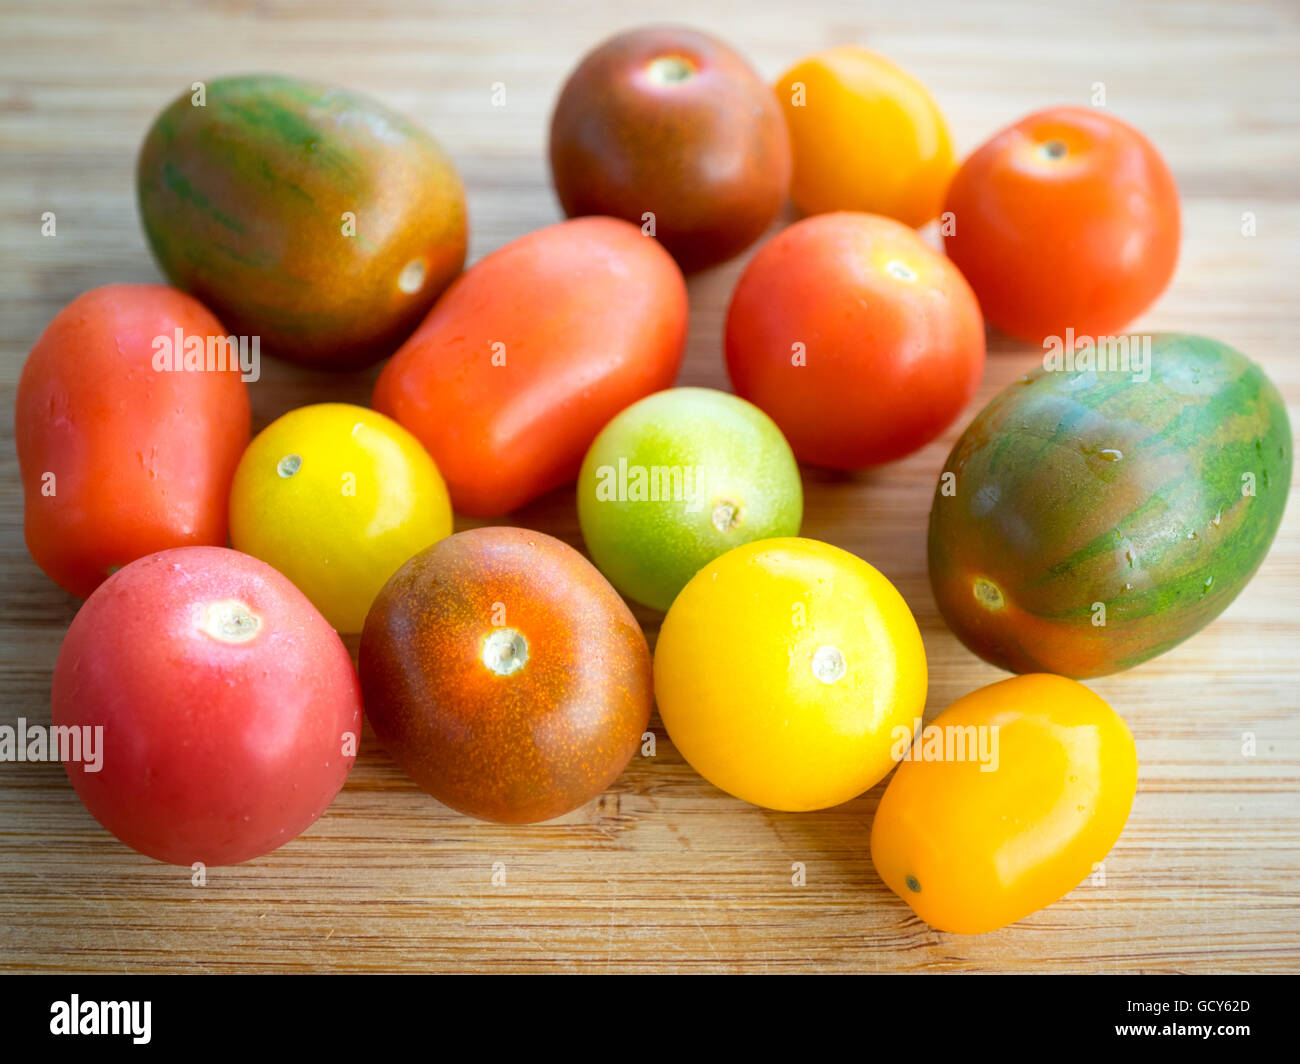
{"x":337,"y":497}
{"x":866,"y":136}
{"x":1005,"y":803}
{"x":783,"y":670}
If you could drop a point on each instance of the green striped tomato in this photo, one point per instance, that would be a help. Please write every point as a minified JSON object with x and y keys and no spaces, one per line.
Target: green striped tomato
{"x":312,"y":217}
{"x":1089,"y":520}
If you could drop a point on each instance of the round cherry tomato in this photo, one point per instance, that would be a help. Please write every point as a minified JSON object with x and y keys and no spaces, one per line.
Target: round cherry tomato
{"x":783,"y":671}
{"x":123,"y":450}
{"x":229,"y":709}
{"x":867,"y":136}
{"x":1067,"y":220}
{"x":531,"y":352}
{"x":671,"y":122}
{"x":505,"y":676}
{"x":860,"y":340}
{"x":337,"y":497}
{"x":1005,"y":803}
{"x":679,"y":478}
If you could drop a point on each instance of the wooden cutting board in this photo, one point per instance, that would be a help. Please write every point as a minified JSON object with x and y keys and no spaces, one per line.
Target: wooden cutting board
{"x":665,"y":873}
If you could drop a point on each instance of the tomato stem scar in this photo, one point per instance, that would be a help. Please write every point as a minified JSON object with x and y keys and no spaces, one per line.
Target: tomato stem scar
{"x":230,"y":621}
{"x":726,"y":516}
{"x":669,"y":69}
{"x":411,"y":279}
{"x":828,"y":664}
{"x":988,"y":594}
{"x":505,"y":651}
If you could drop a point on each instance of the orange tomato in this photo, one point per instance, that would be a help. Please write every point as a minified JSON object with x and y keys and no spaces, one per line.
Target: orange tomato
{"x":1047,"y":779}
{"x":1068,"y":219}
{"x":866,"y":136}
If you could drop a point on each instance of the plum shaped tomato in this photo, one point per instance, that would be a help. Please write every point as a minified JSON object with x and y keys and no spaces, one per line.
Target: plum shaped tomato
{"x":679,"y":478}
{"x":866,"y":136}
{"x":669,"y":126}
{"x":860,"y":340}
{"x":1089,"y":520}
{"x":337,"y":497}
{"x":1068,"y":220}
{"x":531,"y":352}
{"x":126,"y":441}
{"x":1005,"y":802}
{"x":505,"y":676}
{"x":305,"y":214}
{"x":784,"y":672}
{"x":230,"y":711}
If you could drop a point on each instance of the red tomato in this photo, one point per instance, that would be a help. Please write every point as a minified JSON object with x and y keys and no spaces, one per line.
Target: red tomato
{"x":859,"y":340}
{"x":120,"y":459}
{"x":527,"y":356}
{"x":230,"y":709}
{"x":1067,"y":220}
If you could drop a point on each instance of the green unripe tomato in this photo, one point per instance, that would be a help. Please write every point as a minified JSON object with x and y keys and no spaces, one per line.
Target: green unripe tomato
{"x":677,"y":479}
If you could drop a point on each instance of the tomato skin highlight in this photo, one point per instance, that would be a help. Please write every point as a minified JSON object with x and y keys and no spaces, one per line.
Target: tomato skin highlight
{"x":866,"y":136}
{"x":215,"y":749}
{"x":142,"y":459}
{"x":558,"y":717}
{"x":1068,"y":219}
{"x":671,"y":121}
{"x":529,"y":354}
{"x":971,"y":850}
{"x":859,"y":340}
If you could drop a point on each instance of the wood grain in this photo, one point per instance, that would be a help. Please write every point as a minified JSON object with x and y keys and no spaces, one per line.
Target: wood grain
{"x":665,"y":873}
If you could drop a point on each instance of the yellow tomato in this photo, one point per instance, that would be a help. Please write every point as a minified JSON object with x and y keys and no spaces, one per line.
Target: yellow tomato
{"x":1032,"y":783}
{"x":866,"y":136}
{"x":337,"y":497}
{"x":784,"y":668}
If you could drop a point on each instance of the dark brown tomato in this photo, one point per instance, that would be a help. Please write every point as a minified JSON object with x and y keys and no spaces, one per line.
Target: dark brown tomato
{"x":505,"y":676}
{"x":672,"y":122}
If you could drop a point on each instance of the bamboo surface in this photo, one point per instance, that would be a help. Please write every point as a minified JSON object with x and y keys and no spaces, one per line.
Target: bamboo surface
{"x":664,"y":872}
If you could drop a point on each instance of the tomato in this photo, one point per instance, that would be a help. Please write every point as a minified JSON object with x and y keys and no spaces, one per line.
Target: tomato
{"x":867,"y":136}
{"x":230,"y":709}
{"x":1067,"y":220}
{"x":531,"y":352}
{"x":1009,"y":799}
{"x":336,"y":497}
{"x":860,"y":341}
{"x":677,"y":479}
{"x":120,"y":459}
{"x":783,"y":671}
{"x":671,"y":122}
{"x":505,"y":676}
